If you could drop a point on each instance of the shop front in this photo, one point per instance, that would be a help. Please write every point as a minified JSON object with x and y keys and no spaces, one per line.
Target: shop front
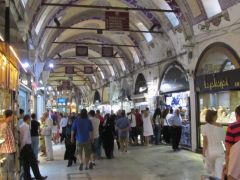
{"x":24,"y":98}
{"x":174,"y":90}
{"x":9,"y":74}
{"x":217,"y":85}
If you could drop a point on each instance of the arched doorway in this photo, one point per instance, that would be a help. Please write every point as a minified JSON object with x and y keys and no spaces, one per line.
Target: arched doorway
{"x":174,"y":91}
{"x":217,"y":84}
{"x":141,"y":85}
{"x":140,"y":89}
{"x":96,"y":98}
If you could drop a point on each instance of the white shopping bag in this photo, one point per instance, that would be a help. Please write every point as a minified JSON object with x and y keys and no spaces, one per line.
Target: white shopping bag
{"x":115,"y":150}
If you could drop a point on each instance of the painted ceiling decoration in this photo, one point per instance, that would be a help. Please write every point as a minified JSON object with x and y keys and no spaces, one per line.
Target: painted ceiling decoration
{"x":44,"y":23}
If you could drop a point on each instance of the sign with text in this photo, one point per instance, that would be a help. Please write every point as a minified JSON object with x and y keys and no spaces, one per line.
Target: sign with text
{"x":69,"y":70}
{"x":107,"y":51}
{"x":81,"y":51}
{"x":88,"y":70}
{"x":117,"y":21}
{"x":228,"y":80}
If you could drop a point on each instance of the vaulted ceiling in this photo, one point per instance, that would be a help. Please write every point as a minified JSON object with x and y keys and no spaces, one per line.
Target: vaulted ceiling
{"x":43,"y":19}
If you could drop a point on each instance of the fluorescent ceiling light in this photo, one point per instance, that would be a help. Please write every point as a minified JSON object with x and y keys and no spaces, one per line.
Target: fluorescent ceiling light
{"x":1,"y":38}
{"x":26,"y":65}
{"x":16,"y":56}
{"x":51,"y":65}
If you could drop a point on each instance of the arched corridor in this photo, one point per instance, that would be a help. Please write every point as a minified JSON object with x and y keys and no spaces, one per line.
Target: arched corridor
{"x":158,"y":76}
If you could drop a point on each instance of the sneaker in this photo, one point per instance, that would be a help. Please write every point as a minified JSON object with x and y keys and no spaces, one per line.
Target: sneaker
{"x":86,"y":168}
{"x":91,"y":165}
{"x":81,"y":167}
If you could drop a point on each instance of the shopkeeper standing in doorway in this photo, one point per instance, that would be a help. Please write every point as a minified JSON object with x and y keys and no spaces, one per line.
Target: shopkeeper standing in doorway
{"x":7,"y":147}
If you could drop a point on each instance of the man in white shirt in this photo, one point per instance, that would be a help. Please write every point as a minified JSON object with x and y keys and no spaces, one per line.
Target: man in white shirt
{"x":132,"y":120}
{"x":27,"y":154}
{"x":95,"y":123}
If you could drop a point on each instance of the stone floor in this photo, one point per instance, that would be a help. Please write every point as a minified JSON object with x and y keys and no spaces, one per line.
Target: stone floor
{"x":140,"y":163}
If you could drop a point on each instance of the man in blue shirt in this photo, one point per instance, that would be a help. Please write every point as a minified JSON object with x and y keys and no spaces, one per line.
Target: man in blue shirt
{"x":176,"y":129}
{"x":123,"y":126}
{"x":82,"y":131}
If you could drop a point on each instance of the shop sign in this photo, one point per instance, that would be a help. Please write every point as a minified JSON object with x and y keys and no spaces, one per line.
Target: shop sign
{"x":66,"y":85}
{"x":81,"y":51}
{"x":228,"y":80}
{"x":88,"y":70}
{"x":107,"y":51}
{"x":69,"y":70}
{"x":117,"y":21}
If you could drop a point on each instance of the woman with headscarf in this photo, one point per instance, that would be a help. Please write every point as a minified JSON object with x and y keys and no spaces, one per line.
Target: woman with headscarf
{"x":70,"y":147}
{"x":108,"y":135}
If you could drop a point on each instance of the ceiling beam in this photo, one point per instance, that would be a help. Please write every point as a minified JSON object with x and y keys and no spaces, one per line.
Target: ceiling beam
{"x":105,"y":7}
{"x":99,"y":29}
{"x":50,"y":80}
{"x":94,"y":44}
{"x":77,"y":58}
{"x":79,"y":64}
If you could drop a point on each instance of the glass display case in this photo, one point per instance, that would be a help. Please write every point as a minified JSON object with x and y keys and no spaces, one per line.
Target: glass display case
{"x":223,"y":102}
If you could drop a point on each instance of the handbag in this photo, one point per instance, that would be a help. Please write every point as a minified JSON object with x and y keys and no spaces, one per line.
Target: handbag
{"x":45,"y":132}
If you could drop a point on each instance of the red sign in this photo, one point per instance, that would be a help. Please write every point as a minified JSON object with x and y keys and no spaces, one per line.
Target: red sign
{"x":69,"y":70}
{"x":117,"y":21}
{"x":107,"y":51}
{"x":81,"y":51}
{"x":88,"y":70}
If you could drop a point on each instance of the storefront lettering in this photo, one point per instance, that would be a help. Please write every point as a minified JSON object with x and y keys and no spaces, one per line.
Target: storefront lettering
{"x":216,"y":84}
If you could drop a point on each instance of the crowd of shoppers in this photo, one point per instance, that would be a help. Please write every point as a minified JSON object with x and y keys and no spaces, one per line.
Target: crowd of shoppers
{"x":86,"y":134}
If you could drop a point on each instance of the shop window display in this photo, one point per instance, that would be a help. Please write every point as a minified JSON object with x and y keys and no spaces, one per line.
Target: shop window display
{"x":181,"y":100}
{"x":217,"y":85}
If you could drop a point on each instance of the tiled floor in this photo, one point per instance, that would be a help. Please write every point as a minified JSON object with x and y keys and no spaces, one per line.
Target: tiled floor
{"x":140,"y":163}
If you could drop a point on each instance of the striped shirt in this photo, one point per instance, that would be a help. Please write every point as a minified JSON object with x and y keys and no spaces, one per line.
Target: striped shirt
{"x":233,"y":133}
{"x":8,"y":146}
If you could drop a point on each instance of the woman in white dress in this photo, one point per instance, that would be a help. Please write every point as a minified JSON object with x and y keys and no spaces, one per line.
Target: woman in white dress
{"x":213,"y":152}
{"x":147,"y":127}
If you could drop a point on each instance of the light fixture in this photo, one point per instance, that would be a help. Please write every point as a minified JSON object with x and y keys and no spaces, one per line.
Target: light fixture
{"x":26,"y":65}
{"x":51,"y":65}
{"x":16,"y":56}
{"x":1,"y":38}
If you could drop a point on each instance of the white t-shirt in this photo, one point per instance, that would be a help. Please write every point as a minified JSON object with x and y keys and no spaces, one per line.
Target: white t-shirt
{"x":63,"y":122}
{"x":132,"y":119}
{"x":215,"y":136}
{"x":95,"y":124}
{"x":234,"y":161}
{"x":166,"y":120}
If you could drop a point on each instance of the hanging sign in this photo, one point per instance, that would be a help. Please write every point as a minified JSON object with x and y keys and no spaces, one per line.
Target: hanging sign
{"x":81,"y":51}
{"x":228,"y":80}
{"x":117,"y":21}
{"x":88,"y":70}
{"x":66,"y":85}
{"x":69,"y":70}
{"x":107,"y":51}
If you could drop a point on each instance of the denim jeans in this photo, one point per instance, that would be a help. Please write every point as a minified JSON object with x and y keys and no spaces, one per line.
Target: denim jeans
{"x":157,"y":133}
{"x":35,"y":145}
